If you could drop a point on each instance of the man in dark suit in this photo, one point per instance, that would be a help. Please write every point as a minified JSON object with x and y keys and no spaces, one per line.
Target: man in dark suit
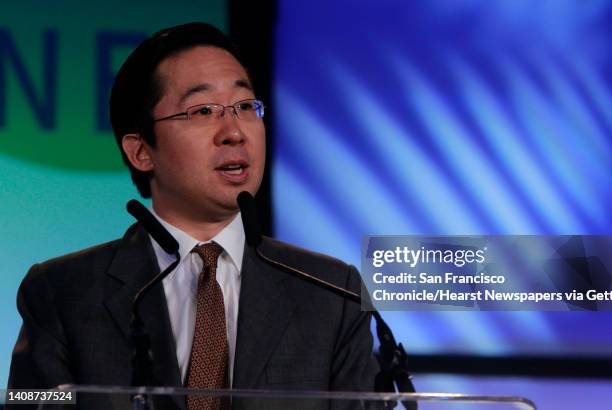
{"x":190,"y":130}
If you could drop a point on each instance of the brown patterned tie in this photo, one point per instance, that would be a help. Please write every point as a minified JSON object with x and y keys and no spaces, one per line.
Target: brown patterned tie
{"x":209,"y":352}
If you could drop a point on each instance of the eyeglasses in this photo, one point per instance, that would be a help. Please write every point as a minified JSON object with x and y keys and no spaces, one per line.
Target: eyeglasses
{"x":246,"y":110}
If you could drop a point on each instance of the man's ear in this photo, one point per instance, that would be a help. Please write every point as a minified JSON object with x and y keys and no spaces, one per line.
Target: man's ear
{"x":137,"y":151}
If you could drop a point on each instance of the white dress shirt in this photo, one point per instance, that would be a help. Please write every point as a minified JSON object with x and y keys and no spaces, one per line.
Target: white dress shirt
{"x":181,"y":286}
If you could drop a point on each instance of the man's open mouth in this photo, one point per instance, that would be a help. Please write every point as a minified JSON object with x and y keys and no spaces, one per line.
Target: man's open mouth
{"x":233,"y":169}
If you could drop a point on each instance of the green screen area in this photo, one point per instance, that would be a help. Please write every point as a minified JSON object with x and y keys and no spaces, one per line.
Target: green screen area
{"x":63,"y":185}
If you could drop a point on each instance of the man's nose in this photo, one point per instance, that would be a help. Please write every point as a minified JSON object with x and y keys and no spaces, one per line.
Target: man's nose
{"x":229,"y":132}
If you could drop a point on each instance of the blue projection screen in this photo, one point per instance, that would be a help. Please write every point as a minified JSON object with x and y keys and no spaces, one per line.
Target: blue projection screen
{"x":447,"y":118}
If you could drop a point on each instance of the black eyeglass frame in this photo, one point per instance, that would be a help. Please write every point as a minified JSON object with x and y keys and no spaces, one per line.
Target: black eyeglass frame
{"x":232,"y":106}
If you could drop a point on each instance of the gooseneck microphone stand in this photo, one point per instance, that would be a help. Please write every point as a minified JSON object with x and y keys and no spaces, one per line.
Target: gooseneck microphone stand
{"x":142,"y":357}
{"x":393,"y":375}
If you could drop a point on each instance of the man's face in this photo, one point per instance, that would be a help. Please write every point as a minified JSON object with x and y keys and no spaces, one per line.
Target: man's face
{"x":192,"y":162}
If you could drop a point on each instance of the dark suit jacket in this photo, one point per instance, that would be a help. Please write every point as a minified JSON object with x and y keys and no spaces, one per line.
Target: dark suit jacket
{"x":291,"y":335}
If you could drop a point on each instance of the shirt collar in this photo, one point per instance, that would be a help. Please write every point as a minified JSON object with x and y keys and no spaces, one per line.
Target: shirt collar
{"x":231,"y":238}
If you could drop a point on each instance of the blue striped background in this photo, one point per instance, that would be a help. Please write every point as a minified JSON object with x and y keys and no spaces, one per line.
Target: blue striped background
{"x":447,"y":117}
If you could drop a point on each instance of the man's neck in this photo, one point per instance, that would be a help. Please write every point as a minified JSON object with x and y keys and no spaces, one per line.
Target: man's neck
{"x":200,"y":228}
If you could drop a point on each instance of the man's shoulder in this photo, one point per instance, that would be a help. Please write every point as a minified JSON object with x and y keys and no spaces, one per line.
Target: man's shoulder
{"x":289,"y":252}
{"x":83,"y":265}
{"x":74,"y":266}
{"x":323,"y":266}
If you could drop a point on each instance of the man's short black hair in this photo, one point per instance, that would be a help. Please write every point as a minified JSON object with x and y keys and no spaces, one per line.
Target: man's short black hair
{"x":137,"y":88}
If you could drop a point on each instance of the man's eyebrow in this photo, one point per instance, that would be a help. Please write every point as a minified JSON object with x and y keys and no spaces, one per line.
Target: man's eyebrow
{"x":195,"y":89}
{"x":242,"y":83}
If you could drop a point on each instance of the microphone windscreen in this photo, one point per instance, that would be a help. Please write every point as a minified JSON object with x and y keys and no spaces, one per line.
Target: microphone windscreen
{"x":153,"y":227}
{"x":250,"y":221}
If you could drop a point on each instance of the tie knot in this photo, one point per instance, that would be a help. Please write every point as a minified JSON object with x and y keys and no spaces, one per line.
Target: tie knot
{"x":209,"y":252}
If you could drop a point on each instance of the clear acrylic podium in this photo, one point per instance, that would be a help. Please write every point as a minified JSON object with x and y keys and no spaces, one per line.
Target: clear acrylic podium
{"x":162,"y":398}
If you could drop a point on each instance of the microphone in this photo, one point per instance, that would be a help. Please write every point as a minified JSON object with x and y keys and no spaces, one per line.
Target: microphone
{"x":153,"y":227}
{"x":142,"y":358}
{"x":252,"y":231}
{"x":393,"y":357}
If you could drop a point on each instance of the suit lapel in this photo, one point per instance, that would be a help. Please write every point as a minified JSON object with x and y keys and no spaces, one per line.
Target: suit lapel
{"x":265,"y":308}
{"x":133,"y":266}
